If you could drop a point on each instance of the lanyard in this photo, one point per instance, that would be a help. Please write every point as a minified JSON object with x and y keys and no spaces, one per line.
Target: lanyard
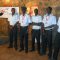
{"x":47,"y":17}
{"x":23,"y":17}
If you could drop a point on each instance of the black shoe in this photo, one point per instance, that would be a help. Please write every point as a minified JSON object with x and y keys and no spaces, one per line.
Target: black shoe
{"x":49,"y":58}
{"x":21,"y":50}
{"x":39,"y":53}
{"x":42,"y":53}
{"x":49,"y":55}
{"x":16,"y":48}
{"x":53,"y":58}
{"x":32,"y":50}
{"x":26,"y":51}
{"x":10,"y":47}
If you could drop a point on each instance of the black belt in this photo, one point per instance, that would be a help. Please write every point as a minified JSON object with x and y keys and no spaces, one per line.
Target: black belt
{"x":23,"y":26}
{"x":36,"y":29}
{"x":49,"y":30}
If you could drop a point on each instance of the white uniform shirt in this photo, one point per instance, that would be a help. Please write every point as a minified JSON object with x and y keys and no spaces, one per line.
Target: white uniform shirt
{"x":36,"y":19}
{"x":58,"y":25}
{"x":49,"y":20}
{"x":24,"y":20}
{"x":13,"y":19}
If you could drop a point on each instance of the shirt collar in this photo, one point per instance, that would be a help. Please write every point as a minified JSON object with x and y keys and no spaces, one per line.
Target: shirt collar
{"x":49,"y":15}
{"x":14,"y":14}
{"x":24,"y":15}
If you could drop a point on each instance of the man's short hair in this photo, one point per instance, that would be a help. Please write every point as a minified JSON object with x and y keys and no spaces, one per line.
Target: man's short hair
{"x":36,"y":10}
{"x":12,"y":8}
{"x":24,"y":8}
{"x":50,"y":8}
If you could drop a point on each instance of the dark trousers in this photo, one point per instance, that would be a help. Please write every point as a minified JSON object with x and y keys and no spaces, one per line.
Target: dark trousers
{"x":36,"y":34}
{"x":56,"y":46}
{"x":43,"y":44}
{"x":55,"y":54}
{"x":24,"y":38}
{"x":47,"y":41}
{"x":13,"y":37}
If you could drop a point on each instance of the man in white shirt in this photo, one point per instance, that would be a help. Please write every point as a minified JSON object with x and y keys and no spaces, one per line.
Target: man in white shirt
{"x":49,"y":22}
{"x":13,"y":20}
{"x":57,"y":42}
{"x":36,"y":27}
{"x":24,"y":24}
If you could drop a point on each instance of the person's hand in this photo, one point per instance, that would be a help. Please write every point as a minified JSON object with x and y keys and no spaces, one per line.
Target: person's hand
{"x":42,"y":24}
{"x":18,"y":26}
{"x":42,"y":28}
{"x":10,"y":28}
{"x":18,"y":29}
